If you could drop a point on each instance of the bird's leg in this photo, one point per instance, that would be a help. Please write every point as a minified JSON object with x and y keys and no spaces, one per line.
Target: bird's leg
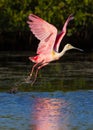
{"x":31,"y":73}
{"x":39,"y":67}
{"x":32,"y":70}
{"x":35,"y":76}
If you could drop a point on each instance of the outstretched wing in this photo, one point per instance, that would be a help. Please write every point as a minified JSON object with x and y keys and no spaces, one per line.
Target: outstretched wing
{"x":62,"y":33}
{"x":44,"y":31}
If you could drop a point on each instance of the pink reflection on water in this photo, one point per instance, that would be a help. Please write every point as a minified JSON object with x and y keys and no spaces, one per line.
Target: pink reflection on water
{"x":51,"y":114}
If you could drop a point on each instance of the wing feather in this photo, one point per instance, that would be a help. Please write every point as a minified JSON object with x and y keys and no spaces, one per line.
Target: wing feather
{"x":44,"y":31}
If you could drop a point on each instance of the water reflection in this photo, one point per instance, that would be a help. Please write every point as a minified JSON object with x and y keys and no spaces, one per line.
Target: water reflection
{"x":47,"y":110}
{"x":51,"y":114}
{"x":67,"y":74}
{"x":56,"y":110}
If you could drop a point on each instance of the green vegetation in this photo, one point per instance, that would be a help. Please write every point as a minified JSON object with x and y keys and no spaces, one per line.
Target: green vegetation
{"x":13,"y":14}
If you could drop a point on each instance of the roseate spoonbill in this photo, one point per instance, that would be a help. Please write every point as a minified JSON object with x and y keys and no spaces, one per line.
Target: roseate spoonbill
{"x":48,"y":48}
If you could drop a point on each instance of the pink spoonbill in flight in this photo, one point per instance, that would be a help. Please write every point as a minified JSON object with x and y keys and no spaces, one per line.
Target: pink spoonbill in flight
{"x":48,"y":48}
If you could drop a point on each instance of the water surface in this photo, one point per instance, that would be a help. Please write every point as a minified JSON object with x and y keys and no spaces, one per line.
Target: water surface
{"x":60,"y":99}
{"x":47,"y":111}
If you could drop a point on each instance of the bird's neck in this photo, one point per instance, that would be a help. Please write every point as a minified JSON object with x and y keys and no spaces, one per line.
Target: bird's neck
{"x":62,"y":52}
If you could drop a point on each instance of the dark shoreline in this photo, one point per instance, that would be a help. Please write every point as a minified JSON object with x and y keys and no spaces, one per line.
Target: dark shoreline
{"x":26,"y":41}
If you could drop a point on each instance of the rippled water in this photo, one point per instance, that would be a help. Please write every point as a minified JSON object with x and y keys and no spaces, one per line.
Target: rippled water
{"x":60,"y":99}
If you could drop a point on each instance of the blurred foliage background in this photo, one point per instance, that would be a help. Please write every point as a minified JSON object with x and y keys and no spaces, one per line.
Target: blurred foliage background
{"x":14,"y":14}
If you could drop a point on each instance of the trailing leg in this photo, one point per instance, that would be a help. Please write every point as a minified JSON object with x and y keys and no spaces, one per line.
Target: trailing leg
{"x":33,"y":70}
{"x":31,"y":73}
{"x":38,"y":68}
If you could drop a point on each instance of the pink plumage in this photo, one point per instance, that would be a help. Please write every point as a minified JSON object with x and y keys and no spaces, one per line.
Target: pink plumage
{"x":44,"y":31}
{"x":48,"y":47}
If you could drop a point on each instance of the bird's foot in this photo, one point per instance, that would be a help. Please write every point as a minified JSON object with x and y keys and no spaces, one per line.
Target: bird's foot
{"x":28,"y":79}
{"x":31,"y":75}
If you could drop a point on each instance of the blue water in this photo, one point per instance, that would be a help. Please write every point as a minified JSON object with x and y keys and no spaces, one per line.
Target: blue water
{"x":47,"y":110}
{"x":60,"y":99}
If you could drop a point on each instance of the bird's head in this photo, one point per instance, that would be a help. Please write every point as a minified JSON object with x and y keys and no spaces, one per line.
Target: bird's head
{"x":69,"y":47}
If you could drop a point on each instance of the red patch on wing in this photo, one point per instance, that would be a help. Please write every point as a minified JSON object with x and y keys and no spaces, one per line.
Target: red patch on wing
{"x":33,"y":59}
